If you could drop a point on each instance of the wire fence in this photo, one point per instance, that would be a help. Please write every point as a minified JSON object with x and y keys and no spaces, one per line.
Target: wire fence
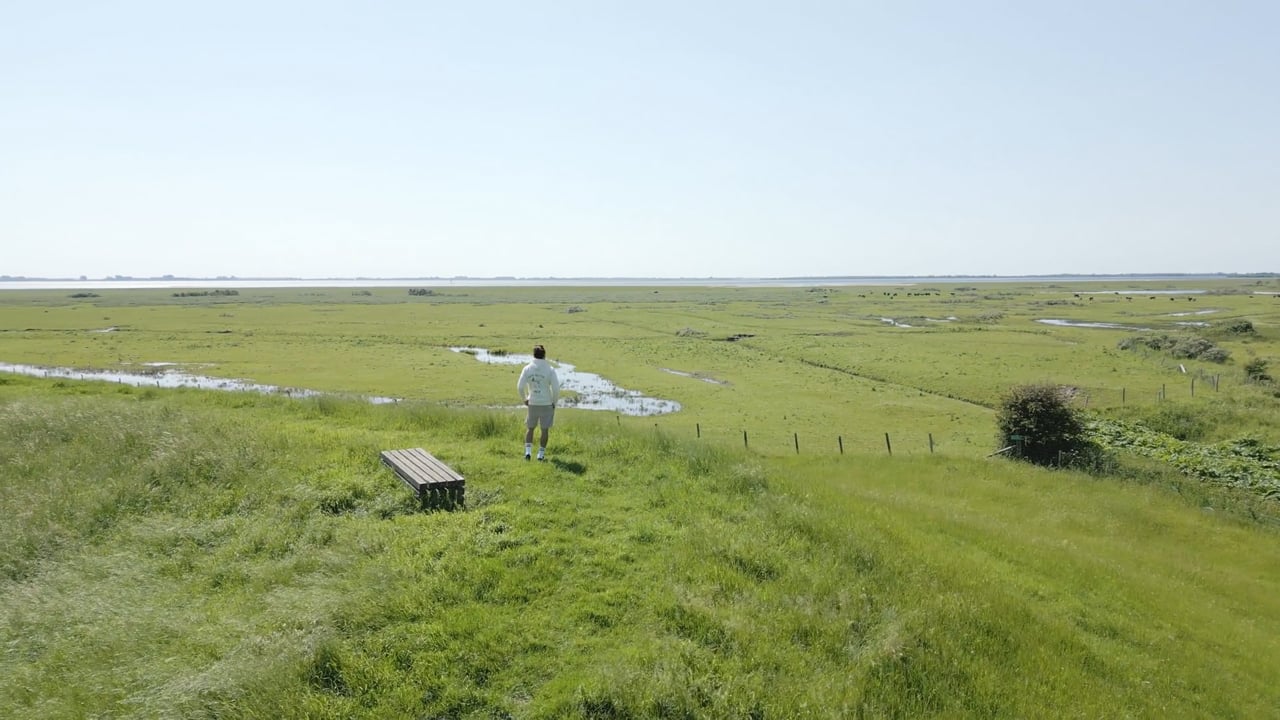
{"x":783,"y":441}
{"x":780,"y":441}
{"x":1191,"y":386}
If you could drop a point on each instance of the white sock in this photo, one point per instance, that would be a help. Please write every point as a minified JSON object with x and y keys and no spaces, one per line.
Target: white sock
{"x":528,"y":448}
{"x":542,"y":452}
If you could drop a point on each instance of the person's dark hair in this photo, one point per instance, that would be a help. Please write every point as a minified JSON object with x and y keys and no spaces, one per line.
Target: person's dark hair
{"x":539,"y":352}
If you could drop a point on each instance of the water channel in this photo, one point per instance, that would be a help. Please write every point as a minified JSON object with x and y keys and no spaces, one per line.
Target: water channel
{"x":1083,"y":324}
{"x":592,"y":391}
{"x":166,"y":375}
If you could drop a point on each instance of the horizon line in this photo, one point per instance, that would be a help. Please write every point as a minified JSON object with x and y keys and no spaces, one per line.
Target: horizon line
{"x":514,"y":278}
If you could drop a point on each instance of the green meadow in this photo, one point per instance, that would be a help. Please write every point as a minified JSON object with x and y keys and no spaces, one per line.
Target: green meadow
{"x":821,"y":531}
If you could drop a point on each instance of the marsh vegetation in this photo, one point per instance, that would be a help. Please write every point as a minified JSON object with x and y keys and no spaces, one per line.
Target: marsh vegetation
{"x":192,"y":553}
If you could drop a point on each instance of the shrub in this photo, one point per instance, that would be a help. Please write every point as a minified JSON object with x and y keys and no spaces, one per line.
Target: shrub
{"x":1187,"y":347}
{"x":1240,"y":327}
{"x":1039,"y":420}
{"x":1255,"y":371}
{"x":1190,"y":347}
{"x":207,"y":293}
{"x":1215,"y":355}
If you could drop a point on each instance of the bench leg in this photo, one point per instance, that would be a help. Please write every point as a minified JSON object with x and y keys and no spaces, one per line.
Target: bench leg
{"x":448,"y":498}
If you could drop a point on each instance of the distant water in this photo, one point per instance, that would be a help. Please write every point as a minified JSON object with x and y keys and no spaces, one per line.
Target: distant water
{"x":1083,"y":324}
{"x":165,"y":375}
{"x":238,"y":283}
{"x":593,"y":391}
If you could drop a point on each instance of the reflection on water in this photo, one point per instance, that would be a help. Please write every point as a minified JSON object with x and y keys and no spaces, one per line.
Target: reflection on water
{"x":166,"y":377}
{"x":593,"y":391}
{"x":1081,"y":323}
{"x":900,"y":324}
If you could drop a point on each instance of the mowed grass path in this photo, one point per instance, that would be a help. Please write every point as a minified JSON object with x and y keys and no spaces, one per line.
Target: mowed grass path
{"x":196,"y":554}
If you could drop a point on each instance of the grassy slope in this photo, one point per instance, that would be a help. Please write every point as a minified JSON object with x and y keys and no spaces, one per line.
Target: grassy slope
{"x":225,"y":555}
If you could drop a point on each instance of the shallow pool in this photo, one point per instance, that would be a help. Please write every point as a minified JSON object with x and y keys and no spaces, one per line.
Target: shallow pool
{"x":593,"y":392}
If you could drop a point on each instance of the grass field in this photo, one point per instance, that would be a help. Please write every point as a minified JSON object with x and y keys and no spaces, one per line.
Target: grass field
{"x":182,"y":553}
{"x":817,"y":363}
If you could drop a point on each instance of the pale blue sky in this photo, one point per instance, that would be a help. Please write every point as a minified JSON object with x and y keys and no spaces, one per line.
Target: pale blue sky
{"x":654,"y":139}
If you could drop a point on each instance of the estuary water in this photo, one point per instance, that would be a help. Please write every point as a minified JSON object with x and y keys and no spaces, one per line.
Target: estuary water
{"x":166,"y":375}
{"x":1084,"y":324}
{"x":11,"y":283}
{"x":593,"y":392}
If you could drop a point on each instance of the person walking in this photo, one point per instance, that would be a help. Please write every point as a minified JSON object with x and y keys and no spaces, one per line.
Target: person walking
{"x":539,"y":387}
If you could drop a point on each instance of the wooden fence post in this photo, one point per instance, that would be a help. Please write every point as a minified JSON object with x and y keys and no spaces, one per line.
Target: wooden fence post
{"x":930,"y":443}
{"x":840,"y":442}
{"x":887,"y":445}
{"x":699,"y":427}
{"x":796,"y":437}
{"x":744,"y":438}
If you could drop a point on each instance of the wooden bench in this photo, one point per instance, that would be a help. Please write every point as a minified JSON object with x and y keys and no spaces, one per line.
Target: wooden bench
{"x":431,"y":480}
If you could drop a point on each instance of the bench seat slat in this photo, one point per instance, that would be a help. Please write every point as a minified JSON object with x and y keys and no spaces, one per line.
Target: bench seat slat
{"x":421,"y":470}
{"x":428,"y":467}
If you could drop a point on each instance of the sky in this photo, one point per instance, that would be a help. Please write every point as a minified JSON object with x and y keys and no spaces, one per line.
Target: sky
{"x":659,"y":139}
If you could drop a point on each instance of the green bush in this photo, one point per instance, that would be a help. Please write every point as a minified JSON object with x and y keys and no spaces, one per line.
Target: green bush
{"x":1040,"y":422}
{"x":1189,"y":347}
{"x":1255,"y":371}
{"x":1215,"y":355}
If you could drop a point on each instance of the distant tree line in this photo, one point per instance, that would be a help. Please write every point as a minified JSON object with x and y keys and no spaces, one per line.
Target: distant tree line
{"x":205,"y":293}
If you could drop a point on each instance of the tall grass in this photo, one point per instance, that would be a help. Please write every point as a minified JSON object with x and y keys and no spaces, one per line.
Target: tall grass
{"x":200,"y":555}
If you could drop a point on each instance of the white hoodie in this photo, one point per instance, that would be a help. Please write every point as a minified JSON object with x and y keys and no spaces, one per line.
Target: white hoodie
{"x":538,"y":383}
